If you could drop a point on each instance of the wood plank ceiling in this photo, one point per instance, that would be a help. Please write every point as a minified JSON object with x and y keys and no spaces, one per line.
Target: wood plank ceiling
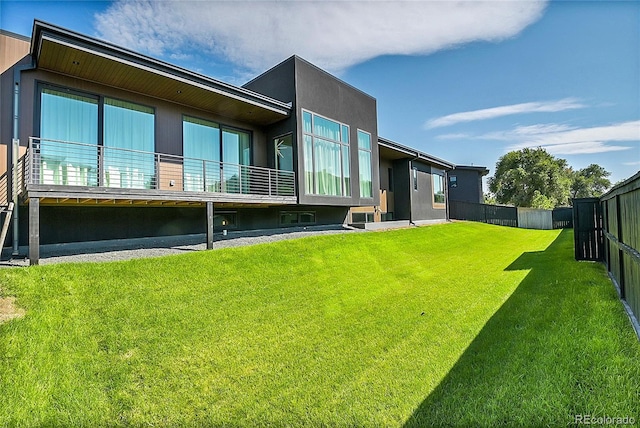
{"x":99,"y":67}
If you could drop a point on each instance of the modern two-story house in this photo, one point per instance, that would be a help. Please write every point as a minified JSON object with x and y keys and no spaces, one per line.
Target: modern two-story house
{"x":99,"y":142}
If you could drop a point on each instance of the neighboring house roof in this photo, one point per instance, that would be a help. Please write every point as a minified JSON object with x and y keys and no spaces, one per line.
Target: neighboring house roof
{"x":13,"y":48}
{"x":63,"y":51}
{"x":408,"y":151}
{"x":14,"y":35}
{"x":480,"y":169}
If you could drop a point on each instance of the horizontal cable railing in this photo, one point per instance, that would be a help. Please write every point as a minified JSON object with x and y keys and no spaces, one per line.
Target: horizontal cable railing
{"x":63,"y":163}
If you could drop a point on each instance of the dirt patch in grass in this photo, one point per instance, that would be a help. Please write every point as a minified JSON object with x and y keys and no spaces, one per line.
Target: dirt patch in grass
{"x":9,"y":310}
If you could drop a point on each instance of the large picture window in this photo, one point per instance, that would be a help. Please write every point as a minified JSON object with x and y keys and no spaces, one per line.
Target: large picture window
{"x":326,"y":154}
{"x":364,"y":164}
{"x":65,"y":118}
{"x":71,"y":128}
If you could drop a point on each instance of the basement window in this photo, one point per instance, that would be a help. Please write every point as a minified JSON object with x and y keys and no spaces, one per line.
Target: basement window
{"x":297,"y":217}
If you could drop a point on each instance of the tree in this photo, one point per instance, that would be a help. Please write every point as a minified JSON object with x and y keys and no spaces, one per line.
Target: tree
{"x":590,"y":182}
{"x":489,"y":198}
{"x":531,"y":178}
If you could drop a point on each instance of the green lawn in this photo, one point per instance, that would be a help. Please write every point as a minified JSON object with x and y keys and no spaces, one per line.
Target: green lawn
{"x":457,"y":324}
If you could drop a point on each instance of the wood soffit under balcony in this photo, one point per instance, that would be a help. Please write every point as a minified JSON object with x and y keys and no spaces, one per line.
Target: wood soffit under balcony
{"x":174,"y":85}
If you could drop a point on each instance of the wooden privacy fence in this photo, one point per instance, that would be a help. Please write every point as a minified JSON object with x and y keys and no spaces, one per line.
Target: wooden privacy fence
{"x":493,"y":214}
{"x":621,"y":223}
{"x":562,"y":218}
{"x":587,"y":229}
{"x":527,"y":218}
{"x":608,"y":229}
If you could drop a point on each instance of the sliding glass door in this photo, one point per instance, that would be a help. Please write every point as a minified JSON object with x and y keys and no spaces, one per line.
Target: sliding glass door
{"x":214,"y":157}
{"x":201,"y":150}
{"x":236,"y":153}
{"x":128,"y":145}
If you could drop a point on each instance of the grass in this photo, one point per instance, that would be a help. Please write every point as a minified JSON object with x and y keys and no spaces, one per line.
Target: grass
{"x":461,"y":324}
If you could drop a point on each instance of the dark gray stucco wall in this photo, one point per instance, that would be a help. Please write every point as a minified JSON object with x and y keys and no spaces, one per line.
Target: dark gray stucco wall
{"x":324,"y":94}
{"x":469,"y":186}
{"x":279,"y":83}
{"x":384,"y":165}
{"x":422,"y":206}
{"x":63,"y":224}
{"x":403,"y":187}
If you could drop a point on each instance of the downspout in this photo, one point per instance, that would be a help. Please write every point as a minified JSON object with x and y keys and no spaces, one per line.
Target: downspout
{"x":15,"y":151}
{"x":411,"y":190}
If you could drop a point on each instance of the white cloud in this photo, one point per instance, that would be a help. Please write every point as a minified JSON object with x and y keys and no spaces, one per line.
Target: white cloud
{"x":569,"y":141}
{"x":631,"y":163}
{"x":495,"y":112}
{"x":583,"y":148}
{"x":331,"y":34}
{"x":458,"y":136}
{"x":561,"y":139}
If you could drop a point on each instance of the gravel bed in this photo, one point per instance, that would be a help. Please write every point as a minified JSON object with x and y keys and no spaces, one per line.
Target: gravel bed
{"x":106,"y":251}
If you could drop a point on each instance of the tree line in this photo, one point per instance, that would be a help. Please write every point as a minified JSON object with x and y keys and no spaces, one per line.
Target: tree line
{"x":534,"y":178}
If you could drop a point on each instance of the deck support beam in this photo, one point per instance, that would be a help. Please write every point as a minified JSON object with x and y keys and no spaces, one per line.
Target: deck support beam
{"x":210,"y":213}
{"x":34,"y":231}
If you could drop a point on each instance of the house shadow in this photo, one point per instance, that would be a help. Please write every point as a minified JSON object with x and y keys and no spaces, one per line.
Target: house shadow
{"x":512,"y":374}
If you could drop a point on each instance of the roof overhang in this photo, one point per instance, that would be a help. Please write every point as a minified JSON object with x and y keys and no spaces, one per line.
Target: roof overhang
{"x":482,"y":170}
{"x":62,"y":51}
{"x":392,"y":150}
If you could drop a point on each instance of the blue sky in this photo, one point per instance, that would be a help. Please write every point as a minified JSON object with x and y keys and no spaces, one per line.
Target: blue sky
{"x":464,"y":81}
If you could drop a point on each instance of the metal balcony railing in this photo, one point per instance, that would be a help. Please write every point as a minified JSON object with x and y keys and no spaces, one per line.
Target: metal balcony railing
{"x":63,"y":163}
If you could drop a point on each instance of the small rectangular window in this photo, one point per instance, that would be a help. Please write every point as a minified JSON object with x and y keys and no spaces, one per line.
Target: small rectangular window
{"x":345,"y":134}
{"x":415,"y":178}
{"x":438,"y":189}
{"x":297,"y":217}
{"x":364,"y":163}
{"x":453,"y":181}
{"x":362,"y":217}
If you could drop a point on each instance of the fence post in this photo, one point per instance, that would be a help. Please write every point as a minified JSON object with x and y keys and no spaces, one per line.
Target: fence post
{"x":621,"y":280}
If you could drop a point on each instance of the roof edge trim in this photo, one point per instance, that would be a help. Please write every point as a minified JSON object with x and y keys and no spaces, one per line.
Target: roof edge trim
{"x":415,"y":153}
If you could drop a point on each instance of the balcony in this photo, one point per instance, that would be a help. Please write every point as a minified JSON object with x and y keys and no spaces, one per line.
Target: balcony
{"x":78,"y":173}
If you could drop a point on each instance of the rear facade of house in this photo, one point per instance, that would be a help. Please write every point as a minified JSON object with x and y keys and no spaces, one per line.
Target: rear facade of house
{"x":99,"y":142}
{"x":465,"y":184}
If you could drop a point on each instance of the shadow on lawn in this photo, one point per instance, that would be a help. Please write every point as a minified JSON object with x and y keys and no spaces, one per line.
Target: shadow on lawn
{"x":513,"y":372}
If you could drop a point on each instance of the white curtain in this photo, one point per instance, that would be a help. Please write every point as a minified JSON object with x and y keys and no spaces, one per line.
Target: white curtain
{"x":129,"y":126}
{"x":328,"y":174}
{"x":73,"y":119}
